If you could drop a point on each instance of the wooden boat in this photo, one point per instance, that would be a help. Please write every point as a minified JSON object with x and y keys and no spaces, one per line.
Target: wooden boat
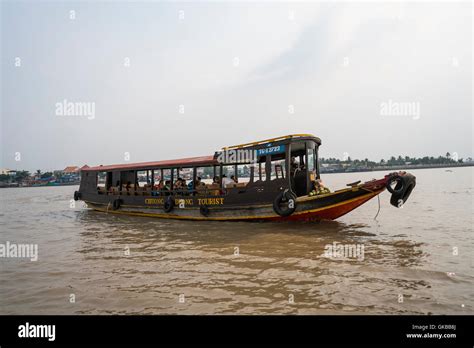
{"x":275,"y":179}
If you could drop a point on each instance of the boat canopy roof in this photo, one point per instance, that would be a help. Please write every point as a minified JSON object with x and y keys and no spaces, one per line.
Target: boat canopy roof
{"x":277,"y":139}
{"x":197,"y":161}
{"x":183,"y":162}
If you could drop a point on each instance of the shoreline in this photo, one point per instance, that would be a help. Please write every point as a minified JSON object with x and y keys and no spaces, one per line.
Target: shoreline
{"x":400,"y":167}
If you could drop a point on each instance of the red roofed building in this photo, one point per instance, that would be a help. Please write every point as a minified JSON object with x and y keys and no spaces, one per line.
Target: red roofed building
{"x":71,"y":170}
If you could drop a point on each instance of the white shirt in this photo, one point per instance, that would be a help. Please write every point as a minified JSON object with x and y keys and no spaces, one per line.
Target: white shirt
{"x":226,"y":181}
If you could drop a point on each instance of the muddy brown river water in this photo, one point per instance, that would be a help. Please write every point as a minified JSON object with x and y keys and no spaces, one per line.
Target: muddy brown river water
{"x":414,"y":260}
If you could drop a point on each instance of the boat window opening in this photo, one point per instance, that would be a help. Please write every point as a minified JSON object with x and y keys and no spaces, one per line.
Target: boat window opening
{"x":127,"y":181}
{"x":297,"y":162}
{"x":201,"y":180}
{"x":156,"y":180}
{"x":161,"y":182}
{"x":228,"y":170}
{"x":278,"y":169}
{"x":317,"y":162}
{"x":101,"y":182}
{"x":182,"y":181}
{"x":166,"y":174}
{"x":298,"y":172}
{"x":141,"y":179}
{"x":311,"y":166}
{"x":243,"y":175}
{"x":312,"y":174}
{"x":205,"y":173}
{"x":229,"y":178}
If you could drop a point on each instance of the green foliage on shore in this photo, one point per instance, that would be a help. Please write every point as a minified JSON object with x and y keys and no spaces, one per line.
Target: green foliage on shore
{"x":395,"y":161}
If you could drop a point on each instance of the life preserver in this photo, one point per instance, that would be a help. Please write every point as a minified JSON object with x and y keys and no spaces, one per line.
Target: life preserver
{"x":169,"y":204}
{"x":402,"y":190}
{"x":204,"y":210}
{"x":398,"y":186}
{"x":288,"y":199}
{"x":77,"y":195}
{"x":116,"y":204}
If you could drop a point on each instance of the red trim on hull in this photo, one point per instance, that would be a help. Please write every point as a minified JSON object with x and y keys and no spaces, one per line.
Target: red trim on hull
{"x":331,"y":213}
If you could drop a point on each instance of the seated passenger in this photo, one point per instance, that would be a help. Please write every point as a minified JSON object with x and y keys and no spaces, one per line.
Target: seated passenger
{"x":167,"y":187}
{"x":160,"y":185}
{"x":226,"y":181}
{"x":184,"y":187}
{"x":234,"y":179}
{"x":178,"y":185}
{"x":199,"y":183}
{"x":293,"y":165}
{"x":191,"y":185}
{"x":216,"y":180}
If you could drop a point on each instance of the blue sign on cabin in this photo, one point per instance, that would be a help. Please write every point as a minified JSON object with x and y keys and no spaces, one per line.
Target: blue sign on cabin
{"x":271,"y":150}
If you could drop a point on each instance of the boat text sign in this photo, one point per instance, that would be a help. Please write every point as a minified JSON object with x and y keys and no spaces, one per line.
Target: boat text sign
{"x":271,"y":150}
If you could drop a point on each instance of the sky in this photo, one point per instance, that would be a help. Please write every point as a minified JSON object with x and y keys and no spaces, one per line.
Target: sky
{"x":164,"y":80}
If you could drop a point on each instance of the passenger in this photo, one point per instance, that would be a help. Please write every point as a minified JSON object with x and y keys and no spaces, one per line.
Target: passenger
{"x":216,"y":180}
{"x":191,"y":185}
{"x":184,"y":187}
{"x":226,"y":181}
{"x":293,"y":164}
{"x":160,"y":185}
{"x":167,"y":187}
{"x":234,"y":179}
{"x":199,"y":183}
{"x":178,"y":185}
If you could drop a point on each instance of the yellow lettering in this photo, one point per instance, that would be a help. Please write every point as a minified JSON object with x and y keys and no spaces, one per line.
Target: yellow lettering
{"x":154,"y":201}
{"x":209,"y":201}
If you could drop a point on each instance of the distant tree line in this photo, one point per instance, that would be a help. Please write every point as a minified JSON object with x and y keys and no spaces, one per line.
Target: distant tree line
{"x":395,"y":161}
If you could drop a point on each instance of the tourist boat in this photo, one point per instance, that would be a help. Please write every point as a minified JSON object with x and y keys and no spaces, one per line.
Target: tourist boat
{"x":272,"y":180}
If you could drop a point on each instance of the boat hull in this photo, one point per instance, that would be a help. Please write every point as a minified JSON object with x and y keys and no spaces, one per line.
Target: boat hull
{"x":323,"y":207}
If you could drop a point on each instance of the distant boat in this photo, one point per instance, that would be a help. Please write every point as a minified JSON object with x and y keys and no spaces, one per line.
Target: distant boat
{"x":284,"y":184}
{"x":9,"y":184}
